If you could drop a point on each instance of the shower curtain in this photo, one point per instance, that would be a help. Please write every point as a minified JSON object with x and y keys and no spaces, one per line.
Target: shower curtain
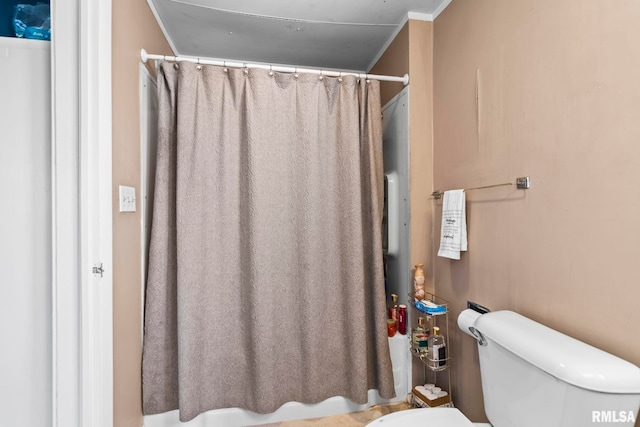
{"x":265,"y":280}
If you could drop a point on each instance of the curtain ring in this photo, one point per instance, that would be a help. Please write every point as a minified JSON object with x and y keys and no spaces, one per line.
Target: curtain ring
{"x":321,"y":77}
{"x":244,"y":65}
{"x":270,"y":70}
{"x":340,"y":77}
{"x":295,"y":73}
{"x":224,"y":67}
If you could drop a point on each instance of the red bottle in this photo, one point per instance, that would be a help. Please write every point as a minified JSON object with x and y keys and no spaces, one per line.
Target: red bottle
{"x":402,"y":319}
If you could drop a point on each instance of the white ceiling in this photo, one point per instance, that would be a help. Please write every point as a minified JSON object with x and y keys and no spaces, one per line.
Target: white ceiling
{"x":337,"y":34}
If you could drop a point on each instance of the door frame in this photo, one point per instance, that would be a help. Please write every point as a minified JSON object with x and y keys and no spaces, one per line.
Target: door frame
{"x":82,"y":344}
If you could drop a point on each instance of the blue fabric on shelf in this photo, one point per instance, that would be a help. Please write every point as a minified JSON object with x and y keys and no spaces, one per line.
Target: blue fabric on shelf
{"x":429,"y":307}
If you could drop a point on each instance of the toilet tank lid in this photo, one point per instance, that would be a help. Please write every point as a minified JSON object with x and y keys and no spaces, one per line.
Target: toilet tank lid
{"x":559,"y":355}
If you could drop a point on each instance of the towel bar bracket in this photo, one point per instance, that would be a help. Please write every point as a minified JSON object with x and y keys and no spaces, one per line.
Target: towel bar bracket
{"x":523,"y":183}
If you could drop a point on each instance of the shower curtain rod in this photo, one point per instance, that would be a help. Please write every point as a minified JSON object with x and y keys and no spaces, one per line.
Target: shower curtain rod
{"x":283,"y":69}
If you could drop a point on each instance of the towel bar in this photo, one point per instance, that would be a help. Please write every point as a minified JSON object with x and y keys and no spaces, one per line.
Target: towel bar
{"x":522,"y":183}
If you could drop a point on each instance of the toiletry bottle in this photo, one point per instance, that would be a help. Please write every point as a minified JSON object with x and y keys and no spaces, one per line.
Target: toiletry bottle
{"x":391,"y":328}
{"x":419,"y":338}
{"x":393,"y":308}
{"x":402,"y":319}
{"x":437,"y":352}
{"x":419,"y":291}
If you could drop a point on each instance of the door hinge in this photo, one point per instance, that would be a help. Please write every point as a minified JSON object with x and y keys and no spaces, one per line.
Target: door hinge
{"x":98,"y":270}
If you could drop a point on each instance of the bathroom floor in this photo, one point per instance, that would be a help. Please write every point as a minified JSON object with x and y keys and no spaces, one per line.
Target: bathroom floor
{"x":353,"y":419}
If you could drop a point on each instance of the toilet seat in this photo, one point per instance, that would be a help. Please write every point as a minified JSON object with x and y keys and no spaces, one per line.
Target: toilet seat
{"x":444,"y":417}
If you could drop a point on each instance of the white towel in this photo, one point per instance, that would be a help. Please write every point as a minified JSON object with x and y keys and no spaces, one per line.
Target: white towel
{"x":453,"y":235}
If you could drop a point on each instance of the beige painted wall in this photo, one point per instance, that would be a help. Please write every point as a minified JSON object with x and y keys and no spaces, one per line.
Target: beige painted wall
{"x":134,"y":27}
{"x":412,"y":52}
{"x":393,"y":62}
{"x":559,"y":100}
{"x":421,"y":148}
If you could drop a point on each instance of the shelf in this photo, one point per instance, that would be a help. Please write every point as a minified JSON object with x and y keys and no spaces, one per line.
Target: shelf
{"x":432,"y":367}
{"x":433,"y":298}
{"x":426,"y":361}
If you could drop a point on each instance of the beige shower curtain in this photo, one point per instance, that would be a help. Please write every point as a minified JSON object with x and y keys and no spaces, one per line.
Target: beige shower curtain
{"x":265,"y":281}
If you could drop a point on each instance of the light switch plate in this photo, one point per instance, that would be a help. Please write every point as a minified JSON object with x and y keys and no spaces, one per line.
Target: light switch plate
{"x":127,"y":198}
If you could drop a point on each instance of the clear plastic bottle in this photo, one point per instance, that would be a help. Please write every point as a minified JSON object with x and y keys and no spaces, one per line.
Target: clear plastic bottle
{"x":420,"y":338}
{"x":437,"y":350}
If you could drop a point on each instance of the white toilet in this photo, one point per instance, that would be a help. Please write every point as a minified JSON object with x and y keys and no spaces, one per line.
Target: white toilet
{"x":535,"y":376}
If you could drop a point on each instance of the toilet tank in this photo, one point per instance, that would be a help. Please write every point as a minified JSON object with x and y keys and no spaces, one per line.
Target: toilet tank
{"x":535,"y":376}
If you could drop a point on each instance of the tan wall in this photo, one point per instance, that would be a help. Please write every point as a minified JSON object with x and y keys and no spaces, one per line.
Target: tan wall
{"x":134,"y":27}
{"x":421,"y":148}
{"x":421,"y":158}
{"x":393,"y":62}
{"x":412,"y":52}
{"x":558,"y":100}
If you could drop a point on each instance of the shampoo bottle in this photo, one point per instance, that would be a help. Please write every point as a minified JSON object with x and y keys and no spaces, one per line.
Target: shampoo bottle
{"x":393,"y":308}
{"x":437,"y":352}
{"x":419,"y":338}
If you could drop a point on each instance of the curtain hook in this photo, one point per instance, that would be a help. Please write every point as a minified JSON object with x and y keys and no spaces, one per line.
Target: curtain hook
{"x":321,"y":77}
{"x":270,"y":70}
{"x":295,"y":73}
{"x":340,"y":77}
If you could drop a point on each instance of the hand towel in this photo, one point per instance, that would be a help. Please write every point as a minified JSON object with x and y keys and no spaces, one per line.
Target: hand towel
{"x":453,"y":234}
